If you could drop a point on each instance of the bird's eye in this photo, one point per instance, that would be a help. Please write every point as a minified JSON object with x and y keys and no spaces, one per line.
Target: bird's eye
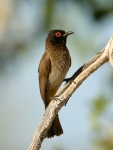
{"x":58,"y":34}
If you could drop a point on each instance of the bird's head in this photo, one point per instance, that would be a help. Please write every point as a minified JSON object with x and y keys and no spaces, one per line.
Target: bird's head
{"x":58,"y":36}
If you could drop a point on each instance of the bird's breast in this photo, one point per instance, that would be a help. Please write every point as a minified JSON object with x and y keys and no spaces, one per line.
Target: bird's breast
{"x":60,"y":63}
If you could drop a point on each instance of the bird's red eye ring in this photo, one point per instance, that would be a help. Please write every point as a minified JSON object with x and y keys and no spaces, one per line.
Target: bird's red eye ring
{"x":58,"y":34}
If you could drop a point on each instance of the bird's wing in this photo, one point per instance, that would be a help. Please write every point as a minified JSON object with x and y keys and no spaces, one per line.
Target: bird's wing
{"x":44,"y":70}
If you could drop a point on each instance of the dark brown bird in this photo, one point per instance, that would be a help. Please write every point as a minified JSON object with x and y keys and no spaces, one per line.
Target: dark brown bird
{"x":53,"y":68}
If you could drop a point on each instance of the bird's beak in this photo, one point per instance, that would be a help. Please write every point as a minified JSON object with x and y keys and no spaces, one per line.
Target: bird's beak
{"x":67,"y":33}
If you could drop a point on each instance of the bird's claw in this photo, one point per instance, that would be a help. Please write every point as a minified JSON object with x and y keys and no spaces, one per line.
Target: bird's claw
{"x":67,"y":80}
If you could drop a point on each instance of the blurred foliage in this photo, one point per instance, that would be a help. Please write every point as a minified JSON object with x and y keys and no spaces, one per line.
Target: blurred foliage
{"x":49,"y":8}
{"x":101,"y":117}
{"x":15,"y":35}
{"x":98,"y":9}
{"x":102,"y":129}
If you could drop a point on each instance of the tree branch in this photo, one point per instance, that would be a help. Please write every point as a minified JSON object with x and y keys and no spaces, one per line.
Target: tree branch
{"x":67,"y":90}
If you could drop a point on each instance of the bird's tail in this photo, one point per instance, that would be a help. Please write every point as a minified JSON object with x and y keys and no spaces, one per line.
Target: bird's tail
{"x":55,"y":129}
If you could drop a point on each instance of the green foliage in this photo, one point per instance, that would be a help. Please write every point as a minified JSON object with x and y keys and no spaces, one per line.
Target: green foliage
{"x":102,"y":134}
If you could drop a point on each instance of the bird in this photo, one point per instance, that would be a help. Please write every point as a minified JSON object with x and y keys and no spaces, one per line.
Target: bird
{"x":53,"y":67}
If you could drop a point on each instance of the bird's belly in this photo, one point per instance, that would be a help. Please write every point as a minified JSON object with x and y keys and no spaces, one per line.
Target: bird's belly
{"x":57,"y":75}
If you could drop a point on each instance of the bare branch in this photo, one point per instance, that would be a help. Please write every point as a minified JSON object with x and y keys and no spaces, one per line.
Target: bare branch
{"x":67,"y":90}
{"x":111,"y":54}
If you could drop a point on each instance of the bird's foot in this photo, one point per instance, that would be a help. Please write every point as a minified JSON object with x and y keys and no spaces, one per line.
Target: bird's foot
{"x":67,"y":80}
